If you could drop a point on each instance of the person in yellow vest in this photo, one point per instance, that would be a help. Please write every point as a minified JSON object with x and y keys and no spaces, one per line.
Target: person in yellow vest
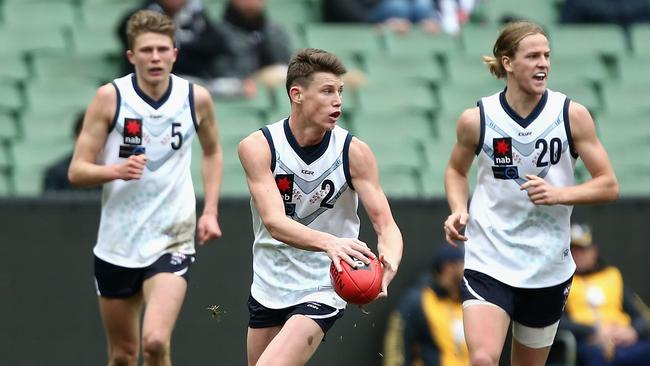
{"x":608,"y":320}
{"x":426,"y":328}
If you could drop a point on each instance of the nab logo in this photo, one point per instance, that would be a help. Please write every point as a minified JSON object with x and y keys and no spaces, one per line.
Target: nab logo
{"x":502,"y":150}
{"x":285,"y":186}
{"x":133,"y":131}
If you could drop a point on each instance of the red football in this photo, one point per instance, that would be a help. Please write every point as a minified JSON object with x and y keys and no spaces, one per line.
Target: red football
{"x":358,"y":285}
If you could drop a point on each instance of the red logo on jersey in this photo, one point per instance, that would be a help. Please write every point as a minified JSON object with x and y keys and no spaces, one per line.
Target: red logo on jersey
{"x":502,"y":150}
{"x":285,"y":186}
{"x":133,"y":131}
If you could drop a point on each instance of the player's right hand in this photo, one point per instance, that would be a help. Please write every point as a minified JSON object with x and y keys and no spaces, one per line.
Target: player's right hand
{"x":454,"y":226}
{"x":348,"y":249}
{"x":133,"y":167}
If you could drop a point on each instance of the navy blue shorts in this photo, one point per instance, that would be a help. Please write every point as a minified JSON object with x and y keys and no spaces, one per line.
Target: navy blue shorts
{"x":121,"y":282}
{"x":262,"y":317}
{"x":532,"y":307}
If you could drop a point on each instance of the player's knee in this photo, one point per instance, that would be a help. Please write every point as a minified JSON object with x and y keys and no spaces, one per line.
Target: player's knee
{"x":155,"y":346}
{"x":483,"y":358}
{"x":123,"y":357}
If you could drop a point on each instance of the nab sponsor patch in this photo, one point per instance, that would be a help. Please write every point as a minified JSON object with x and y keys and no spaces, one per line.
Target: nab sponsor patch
{"x":132,"y":131}
{"x":285,"y":186}
{"x":502,"y":148}
{"x":505,"y":172}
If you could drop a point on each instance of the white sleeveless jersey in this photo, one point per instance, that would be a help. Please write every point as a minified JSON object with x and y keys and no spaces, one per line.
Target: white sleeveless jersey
{"x":510,"y":238}
{"x":317,"y":192}
{"x":143,"y":219}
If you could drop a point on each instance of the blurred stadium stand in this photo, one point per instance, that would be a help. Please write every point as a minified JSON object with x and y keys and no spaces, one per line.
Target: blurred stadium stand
{"x":56,"y":52}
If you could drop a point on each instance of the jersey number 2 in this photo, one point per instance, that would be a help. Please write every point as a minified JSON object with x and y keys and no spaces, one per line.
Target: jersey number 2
{"x":329,"y":185}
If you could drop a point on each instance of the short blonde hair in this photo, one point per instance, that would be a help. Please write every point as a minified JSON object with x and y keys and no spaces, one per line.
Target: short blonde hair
{"x":507,"y":44}
{"x":148,"y":21}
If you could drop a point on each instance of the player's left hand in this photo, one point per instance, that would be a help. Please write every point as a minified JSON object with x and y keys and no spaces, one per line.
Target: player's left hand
{"x":208,"y":228}
{"x":389,"y":272}
{"x":540,"y":191}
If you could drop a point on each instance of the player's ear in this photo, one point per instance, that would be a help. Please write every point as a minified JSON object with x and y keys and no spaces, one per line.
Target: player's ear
{"x":295,"y":92}
{"x":129,"y":56}
{"x":505,"y":62}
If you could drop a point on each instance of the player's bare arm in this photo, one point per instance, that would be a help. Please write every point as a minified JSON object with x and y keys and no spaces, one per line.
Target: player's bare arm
{"x":84,"y":171}
{"x":456,"y":174}
{"x":601,"y":188}
{"x":255,"y":157}
{"x":211,"y":165}
{"x":365,"y":179}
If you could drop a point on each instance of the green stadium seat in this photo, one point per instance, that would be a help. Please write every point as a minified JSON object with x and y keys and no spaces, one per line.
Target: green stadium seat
{"x":393,"y":95}
{"x":13,"y":68}
{"x":420,"y":45}
{"x":234,"y":181}
{"x":55,"y":94}
{"x":9,"y":128}
{"x":470,"y":71}
{"x":606,"y":40}
{"x":639,"y":36}
{"x":292,"y":12}
{"x":32,"y":158}
{"x":406,"y":154}
{"x":237,"y":123}
{"x":635,"y":71}
{"x":95,"y":41}
{"x":543,"y":12}
{"x":40,"y":14}
{"x":400,"y":182}
{"x":104,"y":16}
{"x":579,"y":69}
{"x":478,"y":40}
{"x":393,"y":126}
{"x":95,"y":67}
{"x":10,"y":98}
{"x":48,"y":123}
{"x":581,"y":92}
{"x":626,"y":96}
{"x":405,"y":67}
{"x":20,"y":39}
{"x":345,"y":39}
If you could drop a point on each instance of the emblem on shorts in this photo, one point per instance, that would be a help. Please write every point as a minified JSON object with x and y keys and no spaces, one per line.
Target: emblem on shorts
{"x":133,"y":131}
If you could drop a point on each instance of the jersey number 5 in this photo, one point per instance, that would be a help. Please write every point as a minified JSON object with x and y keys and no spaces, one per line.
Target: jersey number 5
{"x":178,"y":143}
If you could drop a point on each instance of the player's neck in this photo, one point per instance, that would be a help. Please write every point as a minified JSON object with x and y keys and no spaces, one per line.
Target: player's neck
{"x":155,"y":91}
{"x":305,"y":133}
{"x":521,"y":102}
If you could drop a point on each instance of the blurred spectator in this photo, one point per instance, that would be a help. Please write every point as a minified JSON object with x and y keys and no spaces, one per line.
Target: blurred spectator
{"x":622,"y":12}
{"x":399,"y":15}
{"x":254,"y":47}
{"x":605,"y":316}
{"x":196,"y":38}
{"x":426,"y":329}
{"x":55,"y":179}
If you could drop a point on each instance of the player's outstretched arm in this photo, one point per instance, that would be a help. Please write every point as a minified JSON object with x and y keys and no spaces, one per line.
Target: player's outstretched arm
{"x":255,"y":157}
{"x":601,"y":188}
{"x":84,"y":171}
{"x":365,"y":179}
{"x":456,"y":181}
{"x":211,"y":165}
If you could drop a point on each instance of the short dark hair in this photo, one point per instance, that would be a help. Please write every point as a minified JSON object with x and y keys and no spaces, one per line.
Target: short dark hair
{"x":308,"y":61}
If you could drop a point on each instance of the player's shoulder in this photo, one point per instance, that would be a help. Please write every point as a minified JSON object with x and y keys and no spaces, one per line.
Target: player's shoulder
{"x":470,"y":117}
{"x":201,"y":94}
{"x":252,"y":142}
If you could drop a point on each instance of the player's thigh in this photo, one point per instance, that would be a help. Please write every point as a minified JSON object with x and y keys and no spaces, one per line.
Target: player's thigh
{"x":294,"y":344}
{"x":121,"y":319}
{"x":486,"y":328}
{"x":163,"y":295}
{"x":257,"y":340}
{"x":526,"y":356}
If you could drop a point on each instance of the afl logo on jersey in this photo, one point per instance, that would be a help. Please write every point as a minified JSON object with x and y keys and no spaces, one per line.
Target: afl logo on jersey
{"x":132,"y":131}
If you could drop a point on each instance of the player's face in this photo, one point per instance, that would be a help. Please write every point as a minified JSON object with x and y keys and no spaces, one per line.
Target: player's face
{"x":322,"y":100}
{"x":530,"y":66}
{"x":153,"y":56}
